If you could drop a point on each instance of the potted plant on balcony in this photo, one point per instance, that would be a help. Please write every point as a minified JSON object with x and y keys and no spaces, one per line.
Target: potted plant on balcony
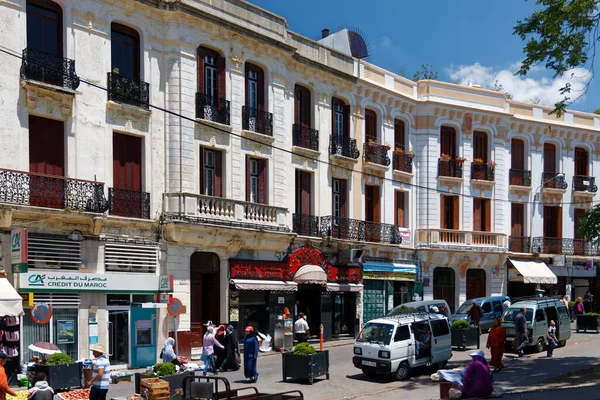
{"x":589,"y":321}
{"x":61,"y":371}
{"x":399,"y":150}
{"x":386,"y":147}
{"x":460,"y":159}
{"x":463,"y":334}
{"x":305,"y":363}
{"x":478,"y":161}
{"x":410,"y":154}
{"x":491,"y":164}
{"x":445,"y":157}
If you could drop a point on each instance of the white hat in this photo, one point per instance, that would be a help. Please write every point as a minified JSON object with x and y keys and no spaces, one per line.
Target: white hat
{"x":209,"y":323}
{"x":435,"y":309}
{"x":477,"y":353}
{"x":98,"y":348}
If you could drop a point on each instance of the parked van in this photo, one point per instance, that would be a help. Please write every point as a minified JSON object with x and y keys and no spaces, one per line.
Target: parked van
{"x":540,"y":310}
{"x":388,"y":345}
{"x":491,"y":307}
{"x":424,"y":306}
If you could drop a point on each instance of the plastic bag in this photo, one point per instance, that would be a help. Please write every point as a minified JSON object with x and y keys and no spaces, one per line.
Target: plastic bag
{"x":203,"y":356}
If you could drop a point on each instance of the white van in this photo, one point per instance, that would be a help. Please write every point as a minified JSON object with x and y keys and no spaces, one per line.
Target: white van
{"x":388,"y":345}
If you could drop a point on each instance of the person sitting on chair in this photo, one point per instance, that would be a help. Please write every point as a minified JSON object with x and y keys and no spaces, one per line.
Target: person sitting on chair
{"x":423,"y":343}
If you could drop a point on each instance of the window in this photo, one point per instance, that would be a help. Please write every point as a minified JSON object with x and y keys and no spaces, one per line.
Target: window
{"x":125,"y":51}
{"x":340,"y":118}
{"x":400,"y":209}
{"x":303,"y":192}
{"x":402,"y":333}
{"x":539,"y":316}
{"x":44,"y":27}
{"x":481,"y":215}
{"x":517,"y":153}
{"x":578,"y":220}
{"x":372,"y":210}
{"x":549,"y":157}
{"x":448,"y":141}
{"x":211,"y":176}
{"x":552,"y":221}
{"x":449,"y":212}
{"x":256,"y":180}
{"x":370,"y":126}
{"x":46,"y":146}
{"x":302,"y":107}
{"x":399,"y":132}
{"x":486,"y":307}
{"x":439,"y":327}
{"x":127,"y":162}
{"x":517,"y":219}
{"x":581,"y":161}
{"x":339,"y":190}
{"x":480,"y":145}
{"x":211,"y":73}
{"x":255,"y":90}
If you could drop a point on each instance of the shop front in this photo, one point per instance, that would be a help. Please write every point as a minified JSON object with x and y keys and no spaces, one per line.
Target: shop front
{"x":263,"y":292}
{"x":528,"y":278}
{"x":11,"y":310}
{"x":575,"y":277}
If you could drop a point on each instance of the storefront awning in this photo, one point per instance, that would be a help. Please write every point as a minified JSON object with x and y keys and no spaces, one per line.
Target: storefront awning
{"x":344,"y":287}
{"x":311,"y":274}
{"x":534,"y":272}
{"x":249,"y":284}
{"x":11,"y":302}
{"x":389,"y":271}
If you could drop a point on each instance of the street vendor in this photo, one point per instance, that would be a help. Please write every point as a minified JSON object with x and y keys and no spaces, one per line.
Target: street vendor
{"x":100,"y":375}
{"x":4,"y":389}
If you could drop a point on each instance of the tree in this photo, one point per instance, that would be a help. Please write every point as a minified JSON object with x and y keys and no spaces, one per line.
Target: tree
{"x":597,"y":111}
{"x":562,"y":35}
{"x":426,"y":72}
{"x":590,"y":224}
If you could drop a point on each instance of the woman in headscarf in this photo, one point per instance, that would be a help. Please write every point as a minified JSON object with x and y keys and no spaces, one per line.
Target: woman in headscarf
{"x":250,"y":355}
{"x":232,"y":351}
{"x":495,"y":342}
{"x":219,"y":352}
{"x":208,"y":343}
{"x":168,"y":354}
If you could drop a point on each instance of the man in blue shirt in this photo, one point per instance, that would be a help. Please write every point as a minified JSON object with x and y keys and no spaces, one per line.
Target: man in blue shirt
{"x":101,"y":375}
{"x":423,"y":342}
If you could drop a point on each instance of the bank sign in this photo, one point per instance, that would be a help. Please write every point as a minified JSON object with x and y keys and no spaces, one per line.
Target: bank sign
{"x":59,"y":281}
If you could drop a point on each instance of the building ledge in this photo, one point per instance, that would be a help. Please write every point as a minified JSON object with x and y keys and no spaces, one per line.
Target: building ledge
{"x":482,"y":185}
{"x":375,"y":167}
{"x":36,"y":90}
{"x":216,"y":125}
{"x":258,"y":137}
{"x":303,"y":151}
{"x":401,"y":176}
{"x":342,"y":160}
{"x":450,"y":181}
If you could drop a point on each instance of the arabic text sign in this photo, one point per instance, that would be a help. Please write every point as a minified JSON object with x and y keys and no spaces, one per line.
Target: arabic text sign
{"x":82,"y":282}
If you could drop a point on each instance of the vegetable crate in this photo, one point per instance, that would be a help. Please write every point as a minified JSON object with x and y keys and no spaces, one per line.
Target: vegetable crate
{"x":154,"y":389}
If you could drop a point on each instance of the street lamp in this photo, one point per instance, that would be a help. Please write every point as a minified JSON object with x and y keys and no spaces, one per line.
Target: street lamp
{"x":541,"y":189}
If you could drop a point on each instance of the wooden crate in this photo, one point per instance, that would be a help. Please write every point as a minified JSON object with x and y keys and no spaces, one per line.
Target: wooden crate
{"x":155,"y":389}
{"x":154,"y":383}
{"x":159,"y":394}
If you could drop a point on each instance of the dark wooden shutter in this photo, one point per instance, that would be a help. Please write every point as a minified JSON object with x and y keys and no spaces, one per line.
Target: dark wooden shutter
{"x":399,"y":139}
{"x":200,"y":73}
{"x":298,"y":105}
{"x":477,"y":215}
{"x":46,"y":146}
{"x":127,"y":162}
{"x":516,"y":218}
{"x":443,"y":216}
{"x":306,"y":120}
{"x":221,"y":77}
{"x":455,"y":212}
{"x":549,"y":157}
{"x":218,"y":174}
{"x":486,"y":207}
{"x":202,"y":171}
{"x":343,"y":198}
{"x":559,"y":222}
{"x":448,"y":141}
{"x":517,"y":150}
{"x":303,"y":195}
{"x":334,"y":131}
{"x":581,"y":161}
{"x":400,"y":204}
{"x":578,"y":217}
{"x":261,"y":88}
{"x":247,"y":84}
{"x":370,"y":126}
{"x":262,"y":181}
{"x":480,"y":145}
{"x":248,"y":175}
{"x":44,"y":27}
{"x":376,"y":204}
{"x":347,"y":121}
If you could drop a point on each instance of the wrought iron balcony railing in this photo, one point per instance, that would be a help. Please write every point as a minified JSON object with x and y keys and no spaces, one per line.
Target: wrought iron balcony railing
{"x":31,"y":189}
{"x":450,"y":168}
{"x":552,"y":180}
{"x":305,"y":225}
{"x":122,"y":89}
{"x":403,"y":162}
{"x":517,"y":177}
{"x":546,"y":245}
{"x":212,"y":109}
{"x":256,"y":120}
{"x":48,"y":68}
{"x":305,"y":137}
{"x":376,"y":153}
{"x":483,"y":172}
{"x":518,"y":244}
{"x":353,"y":229}
{"x":343,"y":146}
{"x":584,"y":184}
{"x":129,"y":203}
{"x":582,"y":247}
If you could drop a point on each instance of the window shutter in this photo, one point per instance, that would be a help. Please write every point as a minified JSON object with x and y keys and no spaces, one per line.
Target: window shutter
{"x":549,"y":157}
{"x":370,"y":125}
{"x":135,"y":151}
{"x":559,"y":222}
{"x":248,"y":186}
{"x":443,"y":217}
{"x":221,"y":77}
{"x":477,"y":220}
{"x":261,"y":88}
{"x":347,"y":121}
{"x":456,"y":212}
{"x":579,"y":213}
{"x":201,"y":54}
{"x":46,"y":146}
{"x":581,"y":162}
{"x":516,"y":228}
{"x":343,"y":198}
{"x":202,"y":171}
{"x":400,"y":204}
{"x":399,"y":134}
{"x":376,"y":204}
{"x":306,"y":197}
{"x":298,"y":191}
{"x":247,"y":85}
{"x":297,"y":104}
{"x":448,"y":141}
{"x":487,"y":214}
{"x":262,"y":181}
{"x":306,"y":108}
{"x":218,"y":174}
{"x":517,"y":154}
{"x":480,"y":142}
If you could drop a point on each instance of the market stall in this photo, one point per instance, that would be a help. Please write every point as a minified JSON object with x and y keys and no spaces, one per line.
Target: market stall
{"x":11,"y":308}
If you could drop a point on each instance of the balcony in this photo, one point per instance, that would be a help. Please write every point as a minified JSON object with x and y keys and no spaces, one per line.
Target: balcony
{"x":304,"y":138}
{"x":517,"y":177}
{"x":483,"y":172}
{"x":450,"y":168}
{"x":343,"y":149}
{"x":50,"y":69}
{"x":212,"y":109}
{"x":122,"y":89}
{"x":38,"y":190}
{"x":357,"y":230}
{"x":582,"y":247}
{"x":455,"y":238}
{"x":586,"y":184}
{"x":554,"y":180}
{"x":305,"y":225}
{"x":129,"y":203}
{"x":518,"y":244}
{"x":202,"y":209}
{"x":403,"y":162}
{"x":546,"y":245}
{"x":258,"y":121}
{"x":376,"y":153}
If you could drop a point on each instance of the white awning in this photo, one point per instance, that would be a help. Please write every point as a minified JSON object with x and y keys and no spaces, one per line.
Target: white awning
{"x":11,"y":302}
{"x":534,"y":272}
{"x":311,"y":274}
{"x":249,"y":284}
{"x":344,"y":287}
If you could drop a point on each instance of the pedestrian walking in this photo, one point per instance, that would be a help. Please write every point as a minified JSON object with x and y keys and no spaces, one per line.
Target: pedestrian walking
{"x":208,"y":349}
{"x":220,"y":352}
{"x":4,"y":389}
{"x":551,"y":337}
{"x":232,"y":350}
{"x":578,"y":308}
{"x":301,"y":328}
{"x":475,"y":314}
{"x":587,"y":301}
{"x":100,"y":374}
{"x":495,"y":343}
{"x":250,"y":355}
{"x":521,"y":331}
{"x":40,"y":390}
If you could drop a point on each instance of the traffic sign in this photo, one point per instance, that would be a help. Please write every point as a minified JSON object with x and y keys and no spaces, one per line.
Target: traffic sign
{"x":41,"y":314}
{"x":175,"y":307}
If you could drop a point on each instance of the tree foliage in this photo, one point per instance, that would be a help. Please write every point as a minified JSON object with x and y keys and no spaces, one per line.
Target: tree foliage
{"x":425,"y":72}
{"x":590,"y":224}
{"x":561,"y":35}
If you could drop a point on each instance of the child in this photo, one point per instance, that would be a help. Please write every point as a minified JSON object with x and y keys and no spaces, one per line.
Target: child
{"x":551,"y":336}
{"x":41,"y":390}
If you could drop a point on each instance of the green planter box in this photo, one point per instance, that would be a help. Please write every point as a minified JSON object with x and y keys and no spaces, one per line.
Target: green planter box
{"x":305,"y":367}
{"x":463,"y":338}
{"x":63,"y":377}
{"x":588,"y":322}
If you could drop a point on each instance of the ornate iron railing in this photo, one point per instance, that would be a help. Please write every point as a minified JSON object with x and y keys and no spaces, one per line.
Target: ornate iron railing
{"x":582,"y":247}
{"x":483,"y":172}
{"x":305,"y":225}
{"x":129,"y":203}
{"x":519,"y":177}
{"x":403,"y":162}
{"x":305,"y":137}
{"x":128,"y":90}
{"x":353,"y":229}
{"x":451,"y":168}
{"x":376,"y":153}
{"x":256,"y":120}
{"x":518,"y":244}
{"x":584,"y":184}
{"x":48,"y":68}
{"x":343,"y":146}
{"x":212,"y":109}
{"x":552,"y":180}
{"x":545,"y":245}
{"x":25,"y":188}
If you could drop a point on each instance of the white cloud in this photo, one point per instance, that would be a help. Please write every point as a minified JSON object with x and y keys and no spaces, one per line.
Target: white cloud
{"x":536,"y":85}
{"x":386,"y":42}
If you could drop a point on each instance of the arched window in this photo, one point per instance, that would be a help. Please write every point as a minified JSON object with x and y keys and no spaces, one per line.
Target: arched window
{"x":448,"y":141}
{"x":370,"y":126}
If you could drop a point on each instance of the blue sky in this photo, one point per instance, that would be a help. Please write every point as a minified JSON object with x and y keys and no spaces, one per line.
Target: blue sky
{"x":462,"y":40}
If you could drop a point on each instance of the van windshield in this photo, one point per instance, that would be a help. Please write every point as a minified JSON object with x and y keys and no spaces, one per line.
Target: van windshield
{"x":375,"y":332}
{"x":510,"y":314}
{"x":465,"y":307}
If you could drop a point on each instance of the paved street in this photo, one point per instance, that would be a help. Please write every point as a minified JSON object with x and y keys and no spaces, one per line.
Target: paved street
{"x":348,"y":382}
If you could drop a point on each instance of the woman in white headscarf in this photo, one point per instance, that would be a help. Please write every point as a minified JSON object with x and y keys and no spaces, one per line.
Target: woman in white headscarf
{"x":168,"y":353}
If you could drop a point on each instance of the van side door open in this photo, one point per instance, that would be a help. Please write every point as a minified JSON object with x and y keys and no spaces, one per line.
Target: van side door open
{"x":441,"y":344}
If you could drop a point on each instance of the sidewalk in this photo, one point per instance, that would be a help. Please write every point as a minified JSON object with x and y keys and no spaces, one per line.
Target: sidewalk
{"x":582,"y":392}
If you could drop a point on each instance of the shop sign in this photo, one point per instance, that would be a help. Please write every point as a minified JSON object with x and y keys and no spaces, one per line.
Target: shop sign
{"x":404,"y":234}
{"x":18,"y":250}
{"x":65,"y":331}
{"x":343,"y":275}
{"x":390,"y":276}
{"x":259,"y":270}
{"x":59,"y":281}
{"x":165,"y":283}
{"x":514,"y":275}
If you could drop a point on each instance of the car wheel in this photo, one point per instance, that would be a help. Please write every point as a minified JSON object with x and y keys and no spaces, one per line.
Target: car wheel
{"x":540,"y":345}
{"x":369,"y":373}
{"x":403,"y":371}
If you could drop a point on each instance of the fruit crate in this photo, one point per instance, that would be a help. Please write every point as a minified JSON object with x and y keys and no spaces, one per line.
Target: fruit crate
{"x":154,"y":389}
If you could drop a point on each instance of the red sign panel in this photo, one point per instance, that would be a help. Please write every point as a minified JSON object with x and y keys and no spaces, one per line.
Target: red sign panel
{"x":260,"y":270}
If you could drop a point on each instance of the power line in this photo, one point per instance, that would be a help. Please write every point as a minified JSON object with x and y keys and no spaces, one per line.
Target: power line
{"x":200,"y":122}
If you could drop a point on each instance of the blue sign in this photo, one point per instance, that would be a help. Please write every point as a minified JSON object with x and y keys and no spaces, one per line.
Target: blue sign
{"x":175,"y":307}
{"x":41,"y":314}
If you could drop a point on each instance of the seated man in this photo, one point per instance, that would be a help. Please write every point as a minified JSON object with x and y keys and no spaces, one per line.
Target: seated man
{"x":423,"y":343}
